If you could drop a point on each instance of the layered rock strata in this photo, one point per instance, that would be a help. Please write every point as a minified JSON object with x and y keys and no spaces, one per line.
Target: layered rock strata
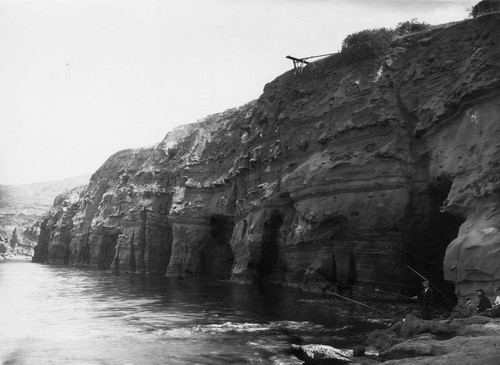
{"x":342,"y":175}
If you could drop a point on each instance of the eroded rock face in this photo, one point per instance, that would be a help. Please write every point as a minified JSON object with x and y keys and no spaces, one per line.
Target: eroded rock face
{"x":55,"y":229}
{"x":340,"y":176}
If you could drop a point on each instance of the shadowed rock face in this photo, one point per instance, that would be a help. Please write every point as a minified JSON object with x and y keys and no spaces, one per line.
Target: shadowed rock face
{"x":342,"y":175}
{"x":55,"y":229}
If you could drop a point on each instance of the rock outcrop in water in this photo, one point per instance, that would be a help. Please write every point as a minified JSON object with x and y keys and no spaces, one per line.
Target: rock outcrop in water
{"x":343,"y":175}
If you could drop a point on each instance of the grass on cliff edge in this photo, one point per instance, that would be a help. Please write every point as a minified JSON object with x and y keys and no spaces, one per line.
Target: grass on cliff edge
{"x":373,"y":43}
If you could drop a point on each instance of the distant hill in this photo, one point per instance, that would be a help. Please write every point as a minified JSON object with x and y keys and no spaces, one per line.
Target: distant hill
{"x":36,"y":198}
{"x":22,"y":208}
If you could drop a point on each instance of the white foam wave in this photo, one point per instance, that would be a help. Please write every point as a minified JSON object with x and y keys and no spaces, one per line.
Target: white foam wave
{"x":240,"y":327}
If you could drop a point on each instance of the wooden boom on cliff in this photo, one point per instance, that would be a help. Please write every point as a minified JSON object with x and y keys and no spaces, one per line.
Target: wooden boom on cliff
{"x":300,"y":63}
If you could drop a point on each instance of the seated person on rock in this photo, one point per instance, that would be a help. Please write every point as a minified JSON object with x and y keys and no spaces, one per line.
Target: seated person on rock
{"x":464,"y":309}
{"x":494,"y":311}
{"x":484,"y":302}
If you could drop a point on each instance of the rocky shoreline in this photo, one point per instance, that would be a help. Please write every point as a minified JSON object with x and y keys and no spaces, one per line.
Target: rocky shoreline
{"x":9,"y":256}
{"x":474,"y":340}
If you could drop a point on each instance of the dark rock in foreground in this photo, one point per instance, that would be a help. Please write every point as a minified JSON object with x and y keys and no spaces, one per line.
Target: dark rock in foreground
{"x":474,"y":340}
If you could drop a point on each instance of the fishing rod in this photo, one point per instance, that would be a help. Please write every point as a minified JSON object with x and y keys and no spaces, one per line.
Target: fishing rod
{"x":389,"y":292}
{"x":364,"y":305}
{"x":435,"y":287}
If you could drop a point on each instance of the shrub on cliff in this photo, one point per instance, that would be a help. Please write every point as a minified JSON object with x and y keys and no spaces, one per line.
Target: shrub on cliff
{"x":484,"y":7}
{"x":367,"y":44}
{"x":410,"y":26}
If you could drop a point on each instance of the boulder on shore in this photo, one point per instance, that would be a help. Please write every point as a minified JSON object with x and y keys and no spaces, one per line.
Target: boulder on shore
{"x":413,"y":326}
{"x":321,"y":354}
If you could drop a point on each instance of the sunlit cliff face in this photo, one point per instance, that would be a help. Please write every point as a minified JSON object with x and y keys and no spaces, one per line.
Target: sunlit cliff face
{"x":328,"y":179}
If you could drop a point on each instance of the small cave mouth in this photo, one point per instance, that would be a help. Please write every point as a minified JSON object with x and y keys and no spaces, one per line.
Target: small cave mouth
{"x":344,"y":274}
{"x":216,"y":257}
{"x":269,"y":252}
{"x":270,"y":244}
{"x":221,"y":228}
{"x":84,"y":254}
{"x":432,"y":237}
{"x":107,"y":250}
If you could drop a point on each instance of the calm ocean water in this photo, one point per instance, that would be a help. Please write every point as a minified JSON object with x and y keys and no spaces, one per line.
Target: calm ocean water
{"x":67,"y":315}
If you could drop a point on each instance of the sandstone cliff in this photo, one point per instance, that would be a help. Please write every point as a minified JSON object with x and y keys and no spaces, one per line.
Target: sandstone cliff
{"x":342,"y":175}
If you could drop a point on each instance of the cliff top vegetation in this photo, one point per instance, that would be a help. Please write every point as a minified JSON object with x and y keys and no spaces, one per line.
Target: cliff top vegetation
{"x":484,"y":7}
{"x":372,"y":43}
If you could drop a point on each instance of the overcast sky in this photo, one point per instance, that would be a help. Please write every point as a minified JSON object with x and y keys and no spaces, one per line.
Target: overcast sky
{"x":82,"y":79}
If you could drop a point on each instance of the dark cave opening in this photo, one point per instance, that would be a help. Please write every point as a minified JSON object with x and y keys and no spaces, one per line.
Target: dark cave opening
{"x":270,"y":245}
{"x":269,"y":252}
{"x":337,"y":234}
{"x":107,"y":251}
{"x":158,"y":250}
{"x":131,"y":261}
{"x":216,"y":257}
{"x":84,"y":254}
{"x":431,"y":239}
{"x":221,"y":228}
{"x":352,"y":276}
{"x":59,"y":254}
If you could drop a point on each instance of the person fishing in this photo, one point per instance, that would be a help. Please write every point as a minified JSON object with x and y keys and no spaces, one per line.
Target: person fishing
{"x":427,"y":298}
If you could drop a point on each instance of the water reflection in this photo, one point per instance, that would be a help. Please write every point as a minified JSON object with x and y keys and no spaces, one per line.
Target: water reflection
{"x":65,"y":315}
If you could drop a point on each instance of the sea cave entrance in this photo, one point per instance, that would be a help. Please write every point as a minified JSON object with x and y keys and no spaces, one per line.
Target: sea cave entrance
{"x":270,"y":245}
{"x":216,"y":257}
{"x":269,"y":252}
{"x":107,"y":250}
{"x":432,"y":236}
